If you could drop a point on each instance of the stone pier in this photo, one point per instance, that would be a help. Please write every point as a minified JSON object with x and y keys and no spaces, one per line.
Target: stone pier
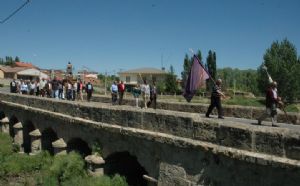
{"x":59,"y":146}
{"x":36,"y":145}
{"x":18,"y":137}
{"x":5,"y":125}
{"x":95,"y":165}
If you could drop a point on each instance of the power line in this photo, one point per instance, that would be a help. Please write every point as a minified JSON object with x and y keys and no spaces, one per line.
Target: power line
{"x":14,"y":12}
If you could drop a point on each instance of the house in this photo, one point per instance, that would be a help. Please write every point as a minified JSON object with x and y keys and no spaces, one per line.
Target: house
{"x":23,"y":64}
{"x":7,"y":72}
{"x":59,"y":74}
{"x":136,"y":76}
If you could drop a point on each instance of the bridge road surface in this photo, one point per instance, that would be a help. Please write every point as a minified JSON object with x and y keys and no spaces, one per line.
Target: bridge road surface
{"x":212,"y":117}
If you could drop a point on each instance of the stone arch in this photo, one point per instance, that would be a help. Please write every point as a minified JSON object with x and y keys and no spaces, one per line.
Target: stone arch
{"x":48,"y":136}
{"x":13,"y":120}
{"x":80,"y":146}
{"x":27,"y":128}
{"x":125,"y":164}
{"x":2,"y":115}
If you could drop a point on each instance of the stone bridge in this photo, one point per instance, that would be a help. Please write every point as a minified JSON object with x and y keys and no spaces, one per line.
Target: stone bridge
{"x":156,"y":147}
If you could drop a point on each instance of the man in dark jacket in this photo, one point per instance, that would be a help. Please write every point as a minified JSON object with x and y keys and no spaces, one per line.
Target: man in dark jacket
{"x":89,"y":90}
{"x":13,"y":86}
{"x":153,"y":95}
{"x":215,"y":100}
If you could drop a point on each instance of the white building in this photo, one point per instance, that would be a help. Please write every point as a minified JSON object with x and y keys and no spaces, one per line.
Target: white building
{"x":136,"y":76}
{"x":7,"y":72}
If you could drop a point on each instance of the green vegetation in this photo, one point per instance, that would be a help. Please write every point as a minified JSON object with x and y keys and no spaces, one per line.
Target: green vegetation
{"x":43,"y":169}
{"x":283,"y":65}
{"x":170,"y":82}
{"x":10,"y":61}
{"x":281,"y":60}
{"x":239,"y":80}
{"x":240,"y":100}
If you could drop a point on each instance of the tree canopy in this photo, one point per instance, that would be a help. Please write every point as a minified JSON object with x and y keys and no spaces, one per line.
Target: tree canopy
{"x":283,"y":65}
{"x":170,"y":81}
{"x":9,"y":60}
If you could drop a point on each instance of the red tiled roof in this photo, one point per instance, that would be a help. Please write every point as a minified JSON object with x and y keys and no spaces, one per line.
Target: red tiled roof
{"x":9,"y":69}
{"x":23,"y":64}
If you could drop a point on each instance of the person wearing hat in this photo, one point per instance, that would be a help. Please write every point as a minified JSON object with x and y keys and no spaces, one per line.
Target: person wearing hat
{"x":272,"y":101}
{"x":215,"y":100}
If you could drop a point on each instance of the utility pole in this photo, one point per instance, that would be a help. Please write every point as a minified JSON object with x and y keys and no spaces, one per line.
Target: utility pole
{"x":234,"y":87}
{"x":105,"y":85}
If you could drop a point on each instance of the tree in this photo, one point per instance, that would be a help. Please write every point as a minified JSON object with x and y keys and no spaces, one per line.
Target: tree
{"x":186,"y":69}
{"x":211,"y":66}
{"x":284,"y":67}
{"x":187,"y":64}
{"x":17,"y":59}
{"x":199,"y":55}
{"x":171,"y":84}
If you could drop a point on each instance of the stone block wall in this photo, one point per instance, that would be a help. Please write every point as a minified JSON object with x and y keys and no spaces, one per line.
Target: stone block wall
{"x":175,"y":160}
{"x":281,"y":142}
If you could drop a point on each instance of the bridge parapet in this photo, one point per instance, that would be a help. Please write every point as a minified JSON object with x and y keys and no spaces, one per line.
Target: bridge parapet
{"x":229,"y":110}
{"x":207,"y":153}
{"x":281,"y":142}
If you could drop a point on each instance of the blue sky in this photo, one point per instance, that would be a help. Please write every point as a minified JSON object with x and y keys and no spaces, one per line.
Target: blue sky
{"x":114,"y":35}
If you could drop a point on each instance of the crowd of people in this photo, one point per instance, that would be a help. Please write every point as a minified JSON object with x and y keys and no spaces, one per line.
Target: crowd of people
{"x":148,"y":93}
{"x":58,"y":89}
{"x":69,"y":90}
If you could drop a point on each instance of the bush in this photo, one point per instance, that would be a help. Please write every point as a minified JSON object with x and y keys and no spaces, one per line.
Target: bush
{"x":117,"y":180}
{"x":66,"y":167}
{"x":20,"y":163}
{"x":5,"y":145}
{"x":45,"y":170}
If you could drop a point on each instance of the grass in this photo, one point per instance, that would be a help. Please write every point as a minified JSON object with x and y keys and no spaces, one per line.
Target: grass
{"x":44,"y":169}
{"x":237,"y":100}
{"x":254,"y":102}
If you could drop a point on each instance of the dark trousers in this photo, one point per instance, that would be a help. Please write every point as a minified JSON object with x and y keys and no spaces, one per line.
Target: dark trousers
{"x":69,"y":94}
{"x":215,"y":102}
{"x":73,"y":95}
{"x":121,"y":97}
{"x":114,"y":98}
{"x":152,"y":101}
{"x":60,"y":93}
{"x":89,"y":95}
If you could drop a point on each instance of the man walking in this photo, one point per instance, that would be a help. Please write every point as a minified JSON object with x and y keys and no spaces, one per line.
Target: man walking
{"x":121,"y":90}
{"x":114,"y":93}
{"x":153,"y":95}
{"x":13,"y":86}
{"x":215,"y":100}
{"x":272,"y":101}
{"x":89,"y":90}
{"x":145,"y":89}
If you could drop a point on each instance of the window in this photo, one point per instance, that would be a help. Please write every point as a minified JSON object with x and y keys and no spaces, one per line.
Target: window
{"x":154,"y":78}
{"x":127,"y":79}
